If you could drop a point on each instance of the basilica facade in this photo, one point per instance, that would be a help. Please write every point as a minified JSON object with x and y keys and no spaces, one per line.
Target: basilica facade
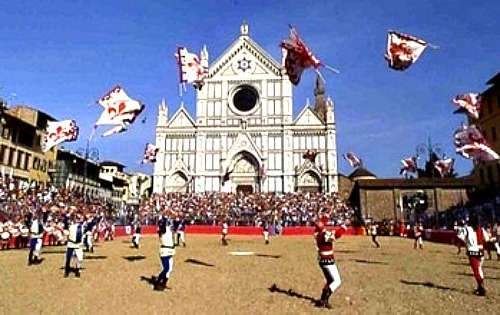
{"x":244,"y":136}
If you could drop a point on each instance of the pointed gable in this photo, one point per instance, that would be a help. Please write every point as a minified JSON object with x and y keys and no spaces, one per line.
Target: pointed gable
{"x":179,"y":167}
{"x":244,"y":56}
{"x":308,"y":117}
{"x":181,"y":119}
{"x":244,"y":143}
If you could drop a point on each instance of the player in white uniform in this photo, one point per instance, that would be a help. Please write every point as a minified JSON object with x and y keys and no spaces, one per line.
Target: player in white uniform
{"x":36,"y":240}
{"x":74,"y":246}
{"x":167,"y":251}
{"x":223,"y":235}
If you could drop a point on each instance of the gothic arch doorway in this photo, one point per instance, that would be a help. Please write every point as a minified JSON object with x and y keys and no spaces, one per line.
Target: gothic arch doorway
{"x":245,"y":173}
{"x":309,"y":182}
{"x":178,"y":183}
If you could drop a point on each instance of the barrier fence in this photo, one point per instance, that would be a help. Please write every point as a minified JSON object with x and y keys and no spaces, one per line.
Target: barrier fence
{"x":233,"y":230}
{"x":437,"y":236}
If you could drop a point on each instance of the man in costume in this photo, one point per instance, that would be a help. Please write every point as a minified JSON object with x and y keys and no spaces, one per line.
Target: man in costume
{"x":179,"y":228}
{"x":265,"y":232}
{"x":474,"y":237}
{"x":373,"y":233}
{"x":167,"y":251}
{"x":419,"y":230}
{"x":136,"y":237}
{"x":90,"y":225}
{"x":74,"y":246}
{"x":36,"y":240}
{"x":326,"y":258}
{"x":223,"y":234}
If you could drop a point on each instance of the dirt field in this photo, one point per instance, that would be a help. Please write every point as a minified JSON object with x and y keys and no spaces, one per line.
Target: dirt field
{"x":281,"y":278}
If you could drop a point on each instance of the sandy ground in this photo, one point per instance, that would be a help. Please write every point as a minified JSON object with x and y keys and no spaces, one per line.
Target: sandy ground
{"x":280,"y":278}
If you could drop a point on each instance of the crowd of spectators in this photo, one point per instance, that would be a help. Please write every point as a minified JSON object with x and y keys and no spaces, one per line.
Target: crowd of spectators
{"x":19,"y":198}
{"x":21,"y":201}
{"x":212,"y":208}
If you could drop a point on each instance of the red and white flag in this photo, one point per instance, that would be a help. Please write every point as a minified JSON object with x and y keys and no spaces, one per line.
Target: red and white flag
{"x":352,"y":159}
{"x":469,"y":102}
{"x":116,"y":129}
{"x":58,"y":132}
{"x":403,"y":50}
{"x":226,"y":175}
{"x":445,"y":167}
{"x":150,"y":153}
{"x":118,"y":109}
{"x":471,"y":144}
{"x":263,"y":172}
{"x":298,"y":57}
{"x":409,"y":165}
{"x":191,"y":69}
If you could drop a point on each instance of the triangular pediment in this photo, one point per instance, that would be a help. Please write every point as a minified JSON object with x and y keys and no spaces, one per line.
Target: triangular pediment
{"x":308,"y":166}
{"x":179,"y":166}
{"x":244,"y":143}
{"x":244,"y":57}
{"x":308,"y":117}
{"x":181,"y":119}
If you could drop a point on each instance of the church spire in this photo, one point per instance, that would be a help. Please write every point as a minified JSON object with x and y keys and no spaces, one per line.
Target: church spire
{"x":319,"y":96}
{"x":162,"y":113}
{"x":320,"y":86}
{"x":244,"y":29}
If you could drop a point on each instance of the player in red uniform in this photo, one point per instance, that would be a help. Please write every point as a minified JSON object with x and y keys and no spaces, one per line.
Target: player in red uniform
{"x":419,"y":231}
{"x":474,"y":236}
{"x":324,"y":242}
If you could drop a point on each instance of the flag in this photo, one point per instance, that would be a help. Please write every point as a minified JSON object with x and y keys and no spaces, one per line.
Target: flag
{"x":298,"y":57}
{"x":117,"y":129}
{"x":150,"y":152}
{"x":403,"y":50}
{"x":58,"y":132}
{"x":478,"y":152}
{"x":409,"y":165}
{"x":191,"y":69}
{"x":471,"y":144}
{"x":263,"y":172}
{"x":445,"y":167}
{"x":226,"y":175}
{"x":118,"y":109}
{"x":352,"y":159}
{"x":469,"y":102}
{"x":310,"y":155}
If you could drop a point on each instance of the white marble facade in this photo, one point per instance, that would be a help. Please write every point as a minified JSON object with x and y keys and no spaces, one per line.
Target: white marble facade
{"x":244,"y":136}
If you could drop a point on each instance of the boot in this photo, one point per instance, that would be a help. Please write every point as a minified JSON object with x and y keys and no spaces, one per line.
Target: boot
{"x":67,"y":269}
{"x":481,"y":291}
{"x":158,"y":284}
{"x":77,"y":272}
{"x":30,"y":258}
{"x":325,"y":295}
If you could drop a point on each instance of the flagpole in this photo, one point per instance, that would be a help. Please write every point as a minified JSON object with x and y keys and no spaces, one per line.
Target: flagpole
{"x":87,"y":152}
{"x":431,"y":149}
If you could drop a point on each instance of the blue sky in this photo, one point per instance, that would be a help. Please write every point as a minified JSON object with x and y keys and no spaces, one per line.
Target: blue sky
{"x":62,"y":56}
